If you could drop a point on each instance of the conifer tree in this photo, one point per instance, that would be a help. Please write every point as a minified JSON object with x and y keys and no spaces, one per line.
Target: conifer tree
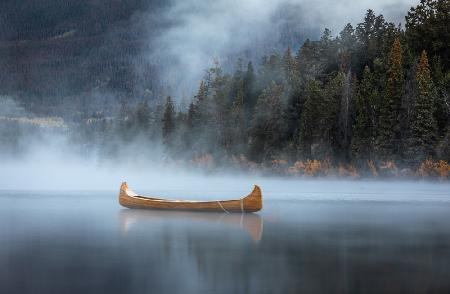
{"x":198,"y":108}
{"x":249,"y":89}
{"x":267,"y":127}
{"x":168,"y":121}
{"x":389,"y":138}
{"x":363,"y":129}
{"x":142,"y":116}
{"x":347,"y":44}
{"x":289,"y":67}
{"x":427,"y":27}
{"x":239,"y":123}
{"x":422,"y":133}
{"x":309,"y":118}
{"x":332,"y":144}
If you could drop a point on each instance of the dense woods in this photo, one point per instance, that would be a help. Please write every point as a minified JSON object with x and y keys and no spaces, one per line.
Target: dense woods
{"x":373,"y":98}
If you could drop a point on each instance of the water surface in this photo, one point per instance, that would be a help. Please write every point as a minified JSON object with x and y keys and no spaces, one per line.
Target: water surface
{"x":311,"y":237}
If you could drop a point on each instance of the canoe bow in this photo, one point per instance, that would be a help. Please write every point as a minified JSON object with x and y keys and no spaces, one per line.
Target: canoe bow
{"x":250,"y":203}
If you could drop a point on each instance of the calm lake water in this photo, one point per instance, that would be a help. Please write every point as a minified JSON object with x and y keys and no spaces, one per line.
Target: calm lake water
{"x":311,"y":237}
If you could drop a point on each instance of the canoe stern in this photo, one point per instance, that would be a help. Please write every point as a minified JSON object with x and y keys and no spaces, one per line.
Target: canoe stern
{"x":253,"y":202}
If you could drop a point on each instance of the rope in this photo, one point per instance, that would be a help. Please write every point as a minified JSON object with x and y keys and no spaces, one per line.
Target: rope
{"x":242,"y":206}
{"x":220,"y":204}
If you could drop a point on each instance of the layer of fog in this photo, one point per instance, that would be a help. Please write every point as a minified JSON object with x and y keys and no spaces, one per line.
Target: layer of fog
{"x":187,"y":36}
{"x":54,"y":168}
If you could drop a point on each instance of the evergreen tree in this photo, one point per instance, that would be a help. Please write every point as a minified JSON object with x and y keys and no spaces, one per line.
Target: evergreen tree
{"x":198,"y":120}
{"x":309,"y":119}
{"x":389,"y":138}
{"x":218,"y":131}
{"x":442,"y":109}
{"x":201,"y":99}
{"x":198,"y":109}
{"x":363,"y":129}
{"x":267,"y":127}
{"x":331,"y":141}
{"x":423,"y":124}
{"x":289,"y":68}
{"x":239,"y":123}
{"x":249,"y":89}
{"x":236,"y":81}
{"x":328,"y":48}
{"x":347,"y":44}
{"x":142,"y":117}
{"x":168,"y":121}
{"x":427,"y":27}
{"x":364,"y":33}
{"x":309,"y":60}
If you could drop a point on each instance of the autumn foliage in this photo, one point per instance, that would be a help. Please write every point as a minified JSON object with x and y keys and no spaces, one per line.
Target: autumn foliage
{"x":313,"y":168}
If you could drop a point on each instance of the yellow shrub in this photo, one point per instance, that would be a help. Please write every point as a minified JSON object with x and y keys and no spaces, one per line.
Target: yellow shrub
{"x":389,"y":167}
{"x":373,"y":168}
{"x":327,"y":167}
{"x":312,"y":167}
{"x":297,"y":169}
{"x":352,"y":171}
{"x":428,"y":168}
{"x":444,"y":169}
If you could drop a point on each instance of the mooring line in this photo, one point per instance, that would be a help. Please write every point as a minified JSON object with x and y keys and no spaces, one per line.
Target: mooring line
{"x":220,"y":204}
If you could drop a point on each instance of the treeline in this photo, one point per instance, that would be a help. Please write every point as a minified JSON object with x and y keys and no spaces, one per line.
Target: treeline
{"x":373,"y":100}
{"x":375,"y":95}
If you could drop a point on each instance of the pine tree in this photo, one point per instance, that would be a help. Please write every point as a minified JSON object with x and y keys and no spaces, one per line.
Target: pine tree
{"x":442,"y":109}
{"x":267,"y":127}
{"x":289,"y":67}
{"x":309,"y":119}
{"x":389,"y":135}
{"x":427,"y":27}
{"x":192,"y":116}
{"x":168,"y":121}
{"x":423,"y":127}
{"x":249,"y":89}
{"x":198,"y":109}
{"x":331,"y":141}
{"x":201,"y":99}
{"x":347,"y":46}
{"x":197,"y":120}
{"x":217,"y":127}
{"x":239,"y":123}
{"x":363,"y":129}
{"x":142,"y":117}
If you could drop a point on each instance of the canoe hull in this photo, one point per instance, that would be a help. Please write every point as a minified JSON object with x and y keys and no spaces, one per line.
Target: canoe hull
{"x":250,"y":203}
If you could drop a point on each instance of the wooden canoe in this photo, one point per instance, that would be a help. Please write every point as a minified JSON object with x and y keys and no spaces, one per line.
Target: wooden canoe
{"x":250,"y":203}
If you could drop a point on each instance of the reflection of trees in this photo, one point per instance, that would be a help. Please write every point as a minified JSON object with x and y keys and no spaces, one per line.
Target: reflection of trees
{"x":321,"y":258}
{"x":159,"y":254}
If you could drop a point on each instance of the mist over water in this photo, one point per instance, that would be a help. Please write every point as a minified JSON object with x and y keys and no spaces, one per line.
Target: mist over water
{"x":47,"y":160}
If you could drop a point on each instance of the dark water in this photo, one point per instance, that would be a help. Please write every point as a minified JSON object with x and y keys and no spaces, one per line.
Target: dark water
{"x":53,"y":242}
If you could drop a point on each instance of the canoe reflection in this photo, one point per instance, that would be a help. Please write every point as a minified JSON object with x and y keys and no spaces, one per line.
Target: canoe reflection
{"x":251,"y":223}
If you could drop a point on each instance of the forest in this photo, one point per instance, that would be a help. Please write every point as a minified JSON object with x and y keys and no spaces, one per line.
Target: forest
{"x":371,"y":101}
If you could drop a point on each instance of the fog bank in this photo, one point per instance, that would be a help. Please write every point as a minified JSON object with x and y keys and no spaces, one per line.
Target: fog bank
{"x":192,"y":34}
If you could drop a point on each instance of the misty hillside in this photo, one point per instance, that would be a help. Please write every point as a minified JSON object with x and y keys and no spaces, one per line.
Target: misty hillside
{"x":57,"y":53}
{"x":233,"y":84}
{"x":40,"y":20}
{"x":60,"y":52}
{"x":73,"y":56}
